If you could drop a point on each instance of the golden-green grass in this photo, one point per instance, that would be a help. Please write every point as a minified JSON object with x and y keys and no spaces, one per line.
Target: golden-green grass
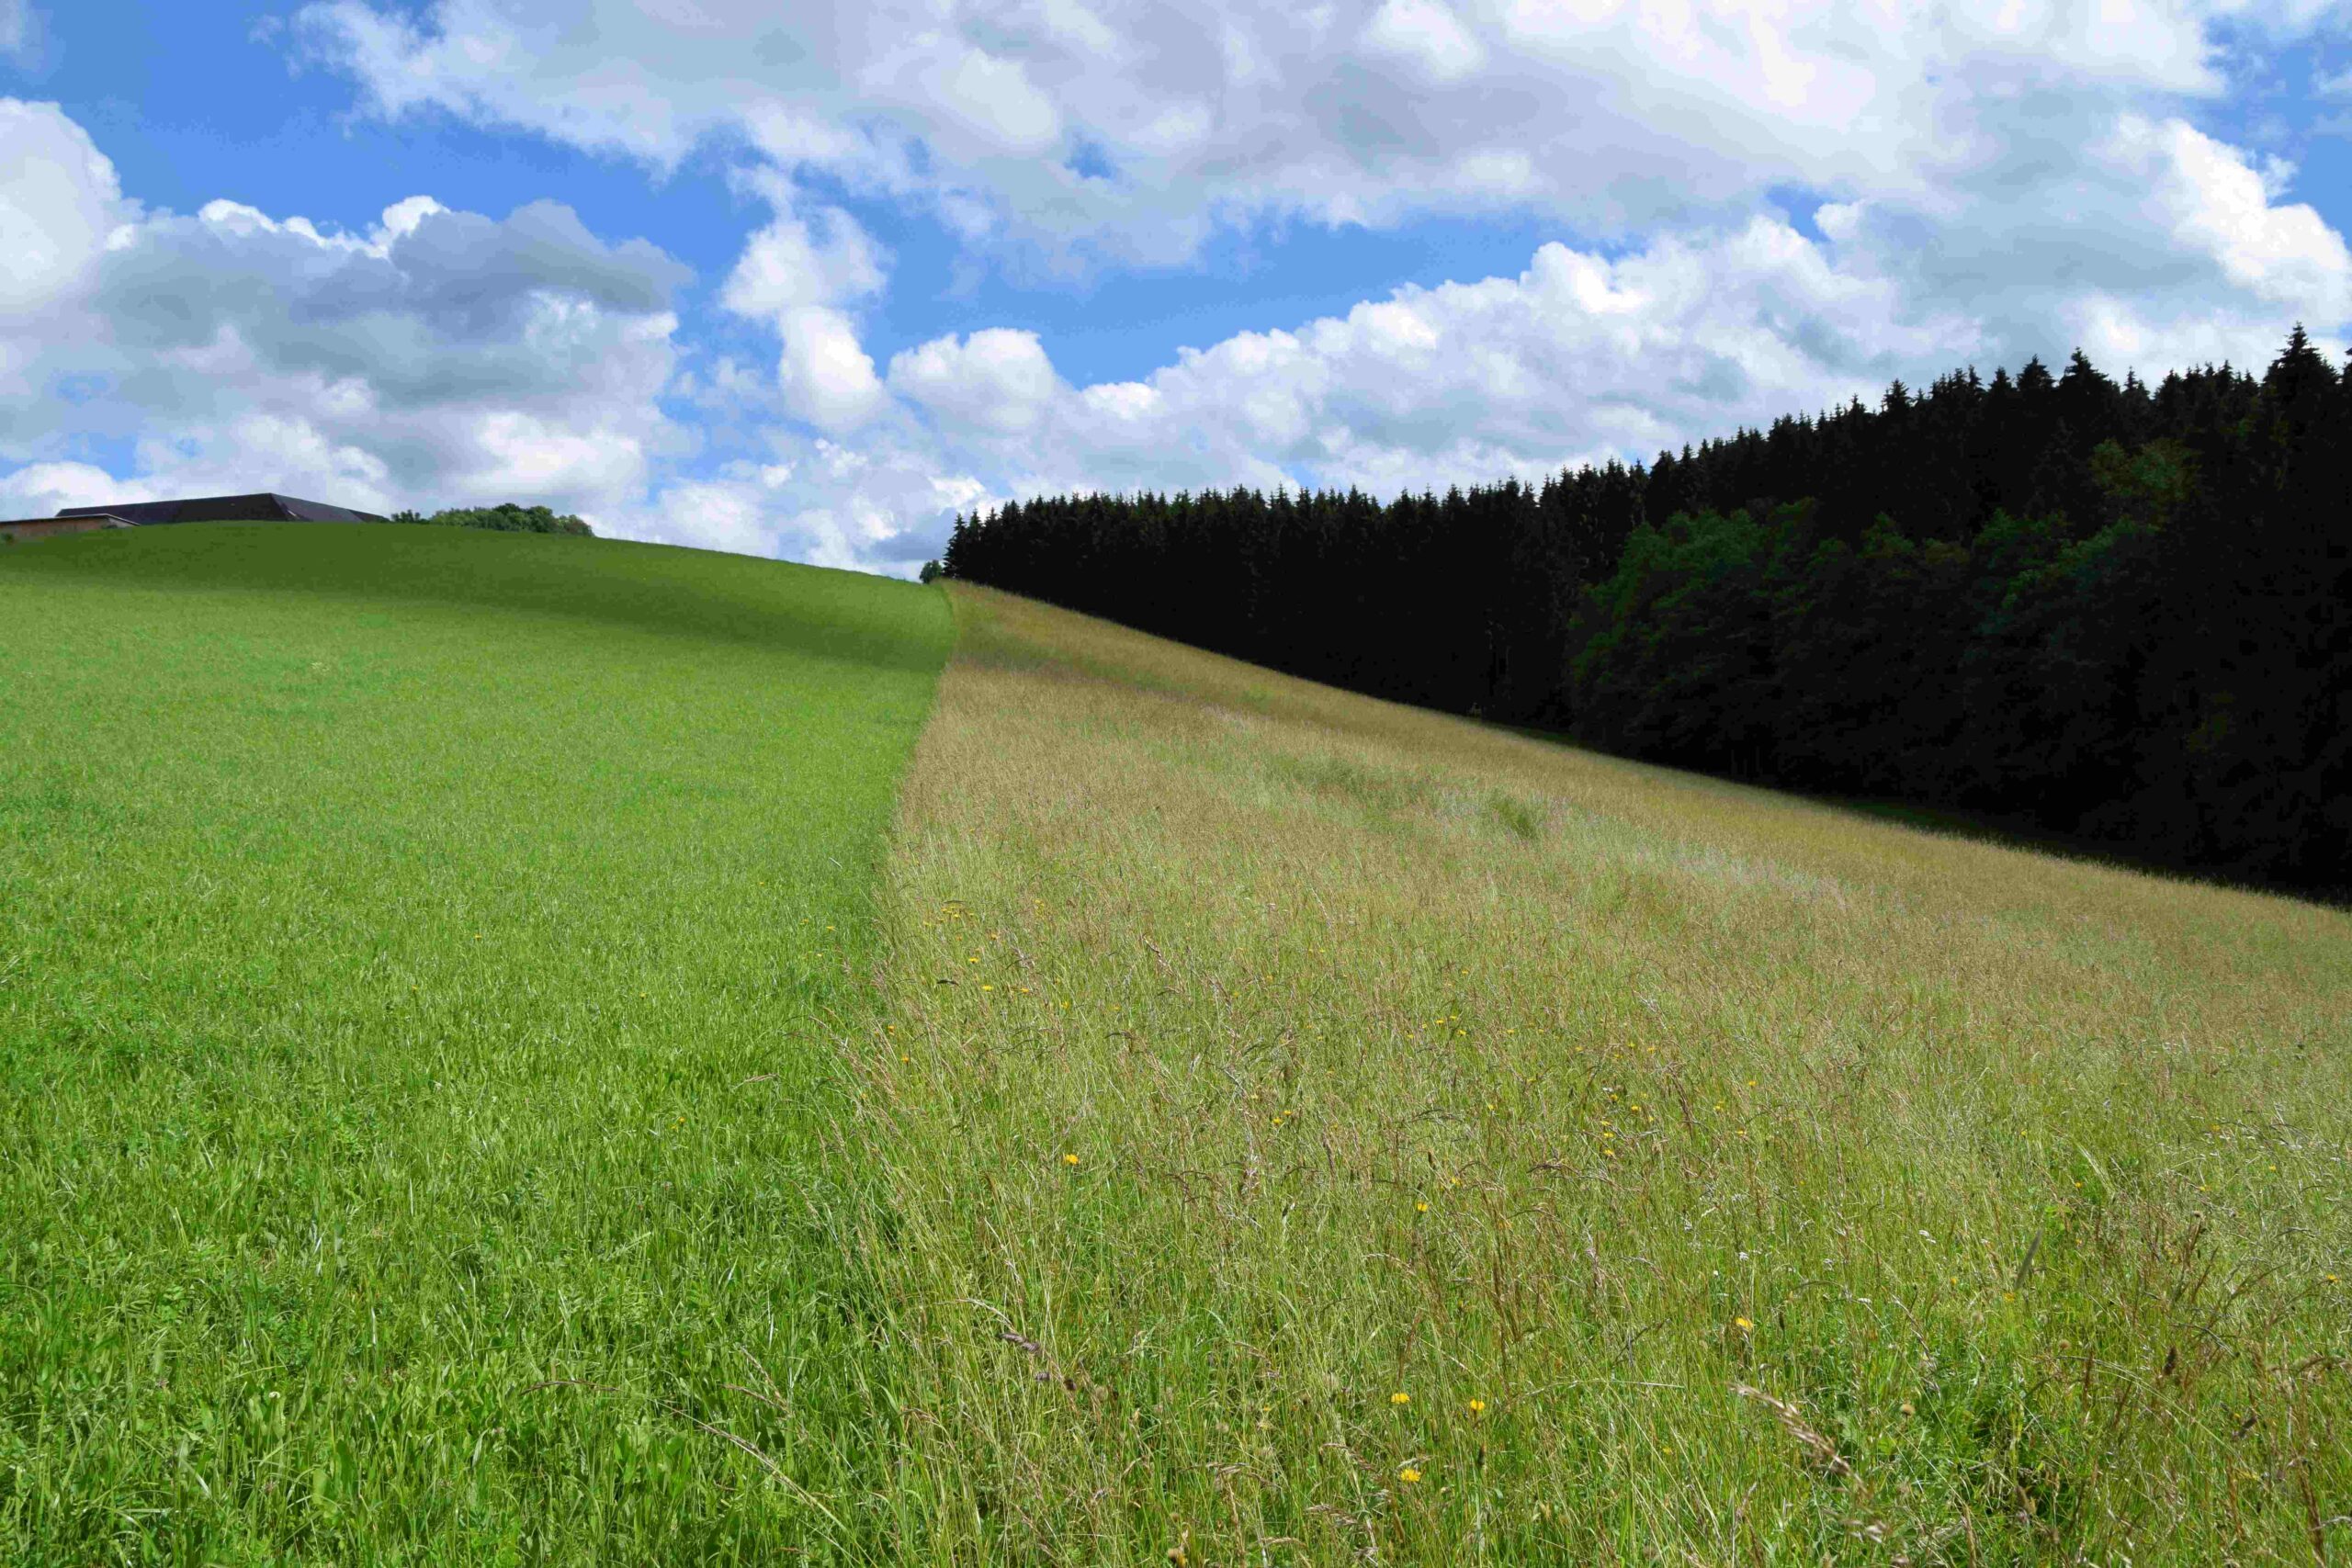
{"x":1316,"y":1130}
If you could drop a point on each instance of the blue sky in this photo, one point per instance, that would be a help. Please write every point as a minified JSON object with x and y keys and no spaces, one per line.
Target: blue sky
{"x":198,"y":103}
{"x":807,"y":282}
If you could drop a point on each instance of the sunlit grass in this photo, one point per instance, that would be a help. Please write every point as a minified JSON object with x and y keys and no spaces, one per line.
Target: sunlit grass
{"x":424,"y":960}
{"x":1319,"y":1130}
{"x":457,"y":1106}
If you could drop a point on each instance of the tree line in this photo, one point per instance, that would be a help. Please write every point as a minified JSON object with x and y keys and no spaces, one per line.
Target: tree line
{"x":506,"y":517}
{"x":2117,"y":612}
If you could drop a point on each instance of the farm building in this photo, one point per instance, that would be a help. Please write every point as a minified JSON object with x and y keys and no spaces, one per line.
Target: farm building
{"x":27,"y":529}
{"x":265,"y":507}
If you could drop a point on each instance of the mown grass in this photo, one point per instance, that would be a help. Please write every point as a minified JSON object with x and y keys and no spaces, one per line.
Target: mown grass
{"x":424,"y":960}
{"x":1322,"y":1131}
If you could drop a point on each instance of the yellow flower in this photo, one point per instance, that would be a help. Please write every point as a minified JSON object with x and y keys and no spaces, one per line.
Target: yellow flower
{"x":1420,"y":1208}
{"x":1409,"y":1475}
{"x":1069,"y":1160}
{"x":1742,"y":1324}
{"x":1478,"y":1407}
{"x":1400,"y":1399}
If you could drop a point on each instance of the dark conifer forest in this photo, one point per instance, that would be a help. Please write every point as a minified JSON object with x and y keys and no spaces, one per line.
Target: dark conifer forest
{"x":2115,"y":611}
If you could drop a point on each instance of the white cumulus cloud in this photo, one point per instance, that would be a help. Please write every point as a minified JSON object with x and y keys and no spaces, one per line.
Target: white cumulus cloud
{"x":800,"y":274}
{"x":1985,"y":182}
{"x":1611,"y":112}
{"x":2216,"y":202}
{"x":440,"y":357}
{"x":996,"y":379}
{"x":58,"y":200}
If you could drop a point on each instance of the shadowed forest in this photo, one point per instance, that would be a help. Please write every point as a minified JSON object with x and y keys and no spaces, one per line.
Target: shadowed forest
{"x":2114,"y":611}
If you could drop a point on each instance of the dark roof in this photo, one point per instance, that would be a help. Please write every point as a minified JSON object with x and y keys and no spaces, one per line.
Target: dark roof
{"x":263,"y":508}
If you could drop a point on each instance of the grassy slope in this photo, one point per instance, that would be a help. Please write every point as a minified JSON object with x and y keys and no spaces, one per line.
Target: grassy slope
{"x":1272,"y":1074}
{"x":421,"y":956}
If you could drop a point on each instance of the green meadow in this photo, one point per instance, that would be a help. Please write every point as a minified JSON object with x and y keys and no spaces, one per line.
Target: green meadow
{"x":423,"y":956}
{"x":533,"y":1050}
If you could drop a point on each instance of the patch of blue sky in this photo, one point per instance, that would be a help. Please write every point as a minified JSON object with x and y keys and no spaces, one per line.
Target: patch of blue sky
{"x":200,"y":103}
{"x":2292,"y":103}
{"x":2296,"y":104}
{"x":1798,"y":207}
{"x":1107,"y":322}
{"x":117,"y":453}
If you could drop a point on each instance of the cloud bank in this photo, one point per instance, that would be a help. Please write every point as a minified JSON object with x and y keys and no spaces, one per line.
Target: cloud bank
{"x":1972,"y":184}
